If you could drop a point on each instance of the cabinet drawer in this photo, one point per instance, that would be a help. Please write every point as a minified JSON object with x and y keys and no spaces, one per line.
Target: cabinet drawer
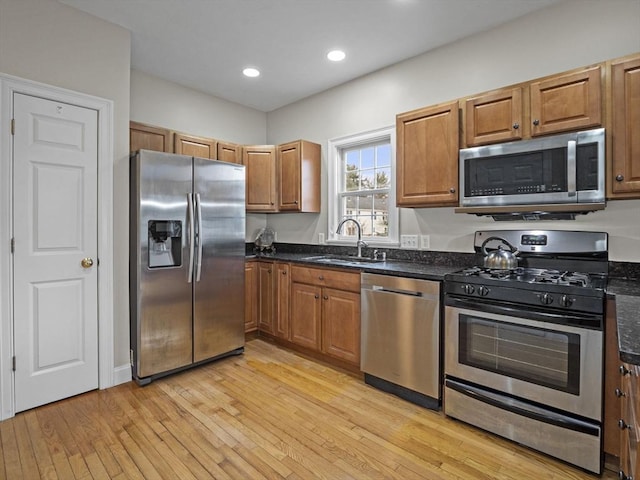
{"x":340,"y":280}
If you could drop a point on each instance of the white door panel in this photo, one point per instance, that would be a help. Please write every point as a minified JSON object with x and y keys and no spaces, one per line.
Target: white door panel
{"x":55,"y":228}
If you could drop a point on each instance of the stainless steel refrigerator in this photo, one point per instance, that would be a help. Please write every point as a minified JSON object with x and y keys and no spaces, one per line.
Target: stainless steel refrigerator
{"x":186,"y":268}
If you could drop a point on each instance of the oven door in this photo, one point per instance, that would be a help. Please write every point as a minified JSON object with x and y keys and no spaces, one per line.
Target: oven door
{"x":554,"y":365}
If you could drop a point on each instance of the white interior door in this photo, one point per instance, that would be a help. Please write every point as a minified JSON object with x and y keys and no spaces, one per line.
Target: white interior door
{"x":55,"y":231}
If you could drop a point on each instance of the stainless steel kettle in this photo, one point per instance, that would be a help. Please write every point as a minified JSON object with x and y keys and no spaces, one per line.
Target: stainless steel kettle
{"x":500,"y":258}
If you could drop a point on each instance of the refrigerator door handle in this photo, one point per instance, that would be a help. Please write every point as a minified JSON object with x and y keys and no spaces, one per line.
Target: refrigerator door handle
{"x":192,"y":235}
{"x":200,"y":239}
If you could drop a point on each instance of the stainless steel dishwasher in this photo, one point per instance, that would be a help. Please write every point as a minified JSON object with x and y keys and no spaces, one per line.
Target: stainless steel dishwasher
{"x":400,"y":343}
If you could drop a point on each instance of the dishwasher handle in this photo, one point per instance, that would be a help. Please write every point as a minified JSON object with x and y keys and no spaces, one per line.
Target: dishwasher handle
{"x":378,"y":288}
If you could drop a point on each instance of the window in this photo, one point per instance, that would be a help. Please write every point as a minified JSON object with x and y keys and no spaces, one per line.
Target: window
{"x":362,"y":187}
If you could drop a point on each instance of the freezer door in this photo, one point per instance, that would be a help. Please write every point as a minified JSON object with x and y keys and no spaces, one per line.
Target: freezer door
{"x":218,"y":326}
{"x":161,"y":295}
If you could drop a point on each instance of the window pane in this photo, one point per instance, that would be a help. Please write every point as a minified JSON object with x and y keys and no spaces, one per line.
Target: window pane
{"x":367,"y":180}
{"x":367,"y":157}
{"x":380,"y":214}
{"x":352,"y":181}
{"x":352,"y":159}
{"x":383,"y":177}
{"x":383,"y":154}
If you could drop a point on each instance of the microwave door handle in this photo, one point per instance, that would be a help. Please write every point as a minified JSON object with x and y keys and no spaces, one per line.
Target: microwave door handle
{"x":571,"y":168}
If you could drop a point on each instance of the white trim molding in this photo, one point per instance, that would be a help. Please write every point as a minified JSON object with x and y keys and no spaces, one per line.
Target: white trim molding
{"x":8,"y":86}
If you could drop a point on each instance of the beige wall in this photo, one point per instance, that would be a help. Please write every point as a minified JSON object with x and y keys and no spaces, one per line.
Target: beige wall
{"x":565,"y":36}
{"x":45,"y":41}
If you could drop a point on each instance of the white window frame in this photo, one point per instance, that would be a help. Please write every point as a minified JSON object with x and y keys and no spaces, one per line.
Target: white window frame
{"x":335,"y":146}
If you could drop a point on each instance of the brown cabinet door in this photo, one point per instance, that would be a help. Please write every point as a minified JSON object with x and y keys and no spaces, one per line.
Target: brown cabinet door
{"x":194,"y":146}
{"x":566,"y":102}
{"x":341,"y":324}
{"x":494,"y":117}
{"x":299,"y":177}
{"x":282,"y":285}
{"x":306,"y":315}
{"x":427,"y":156}
{"x":261,"y":177}
{"x":612,"y":383}
{"x":147,"y":137}
{"x":265,"y":296}
{"x":289,"y":176}
{"x":250,"y":297}
{"x":626,"y":128}
{"x":229,"y":152}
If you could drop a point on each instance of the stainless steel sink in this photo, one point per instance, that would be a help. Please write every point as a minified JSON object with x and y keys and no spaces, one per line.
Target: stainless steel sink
{"x":351,"y":260}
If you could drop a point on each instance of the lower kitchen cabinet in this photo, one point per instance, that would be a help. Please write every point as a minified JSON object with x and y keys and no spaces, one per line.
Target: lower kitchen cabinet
{"x":629,"y":422}
{"x":250,"y":297}
{"x":273,"y":298}
{"x":265,"y":296}
{"x":325,"y":311}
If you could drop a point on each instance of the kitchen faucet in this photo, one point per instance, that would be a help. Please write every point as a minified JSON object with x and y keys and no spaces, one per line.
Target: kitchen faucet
{"x":360,"y":243}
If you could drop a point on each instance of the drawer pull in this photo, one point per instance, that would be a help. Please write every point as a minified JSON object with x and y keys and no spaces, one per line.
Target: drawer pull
{"x":623,"y":425}
{"x":620,"y":393}
{"x":624,"y":370}
{"x":624,"y":476}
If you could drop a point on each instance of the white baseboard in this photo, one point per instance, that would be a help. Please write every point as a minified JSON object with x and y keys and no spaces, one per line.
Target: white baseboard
{"x":121,"y":374}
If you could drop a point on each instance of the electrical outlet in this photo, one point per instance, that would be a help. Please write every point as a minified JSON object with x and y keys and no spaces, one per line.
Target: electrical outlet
{"x":425,"y":242}
{"x":409,"y":241}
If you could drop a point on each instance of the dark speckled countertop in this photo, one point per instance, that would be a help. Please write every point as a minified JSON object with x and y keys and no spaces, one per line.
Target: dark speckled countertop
{"x":624,"y":279}
{"x":627,"y":295}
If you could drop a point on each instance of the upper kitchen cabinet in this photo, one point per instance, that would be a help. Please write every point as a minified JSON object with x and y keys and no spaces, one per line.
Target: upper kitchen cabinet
{"x":427,"y":156}
{"x":625,"y":98}
{"x":260,"y":163}
{"x":148,"y":137}
{"x":298,"y":171}
{"x":494,"y":117}
{"x":570,"y":101}
{"x":195,"y":146}
{"x":229,"y":152}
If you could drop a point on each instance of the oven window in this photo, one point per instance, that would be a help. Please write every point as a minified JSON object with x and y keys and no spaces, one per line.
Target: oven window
{"x":545,"y":357}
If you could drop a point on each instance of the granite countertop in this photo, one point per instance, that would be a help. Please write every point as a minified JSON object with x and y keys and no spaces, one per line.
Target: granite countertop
{"x":627,"y":295}
{"x":412,"y":269}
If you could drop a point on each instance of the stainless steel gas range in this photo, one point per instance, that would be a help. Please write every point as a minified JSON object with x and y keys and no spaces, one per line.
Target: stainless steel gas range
{"x":524,"y":345}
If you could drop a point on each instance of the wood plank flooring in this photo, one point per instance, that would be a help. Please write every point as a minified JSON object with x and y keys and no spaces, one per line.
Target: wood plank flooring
{"x":268,"y":414}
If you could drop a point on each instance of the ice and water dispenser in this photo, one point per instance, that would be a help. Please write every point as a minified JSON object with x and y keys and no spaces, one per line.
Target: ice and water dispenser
{"x":165,"y":243}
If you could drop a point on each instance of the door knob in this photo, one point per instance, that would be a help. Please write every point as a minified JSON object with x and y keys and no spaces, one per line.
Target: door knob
{"x":87,"y":262}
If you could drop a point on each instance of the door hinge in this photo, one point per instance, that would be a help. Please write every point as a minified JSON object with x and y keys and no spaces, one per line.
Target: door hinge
{"x":13,"y":126}
{"x":13,"y":361}
{"x":13,"y":245}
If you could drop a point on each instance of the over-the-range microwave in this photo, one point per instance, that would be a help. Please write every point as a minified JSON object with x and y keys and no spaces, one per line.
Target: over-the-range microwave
{"x":559,"y":169}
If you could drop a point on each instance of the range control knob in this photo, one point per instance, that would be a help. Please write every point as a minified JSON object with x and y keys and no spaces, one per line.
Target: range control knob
{"x":468,"y":289}
{"x":566,"y":301}
{"x":483,"y":291}
{"x":546,"y":299}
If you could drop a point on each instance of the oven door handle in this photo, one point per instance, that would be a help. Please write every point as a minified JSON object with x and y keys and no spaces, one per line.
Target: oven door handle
{"x":522,"y":408}
{"x":569,"y":318}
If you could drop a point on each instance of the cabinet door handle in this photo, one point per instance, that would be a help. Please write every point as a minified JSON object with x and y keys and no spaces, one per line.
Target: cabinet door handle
{"x":325,"y":297}
{"x":623,"y":425}
{"x":318,"y":296}
{"x":452,"y":190}
{"x":320,"y":277}
{"x":284,"y":272}
{"x":295,"y":201}
{"x":619,"y":177}
{"x":624,"y":476}
{"x":624,"y":370}
{"x":619,"y":393}
{"x":516,"y":126}
{"x":536,"y":122}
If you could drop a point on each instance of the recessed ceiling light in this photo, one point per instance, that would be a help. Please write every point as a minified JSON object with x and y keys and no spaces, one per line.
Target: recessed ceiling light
{"x":251,"y":72}
{"x":336,"y":55}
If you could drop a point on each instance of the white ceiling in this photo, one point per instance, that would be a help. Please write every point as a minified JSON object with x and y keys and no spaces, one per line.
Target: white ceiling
{"x":205,"y":44}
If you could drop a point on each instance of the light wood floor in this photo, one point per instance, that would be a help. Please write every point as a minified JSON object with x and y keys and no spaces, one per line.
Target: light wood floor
{"x":267,"y":414}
